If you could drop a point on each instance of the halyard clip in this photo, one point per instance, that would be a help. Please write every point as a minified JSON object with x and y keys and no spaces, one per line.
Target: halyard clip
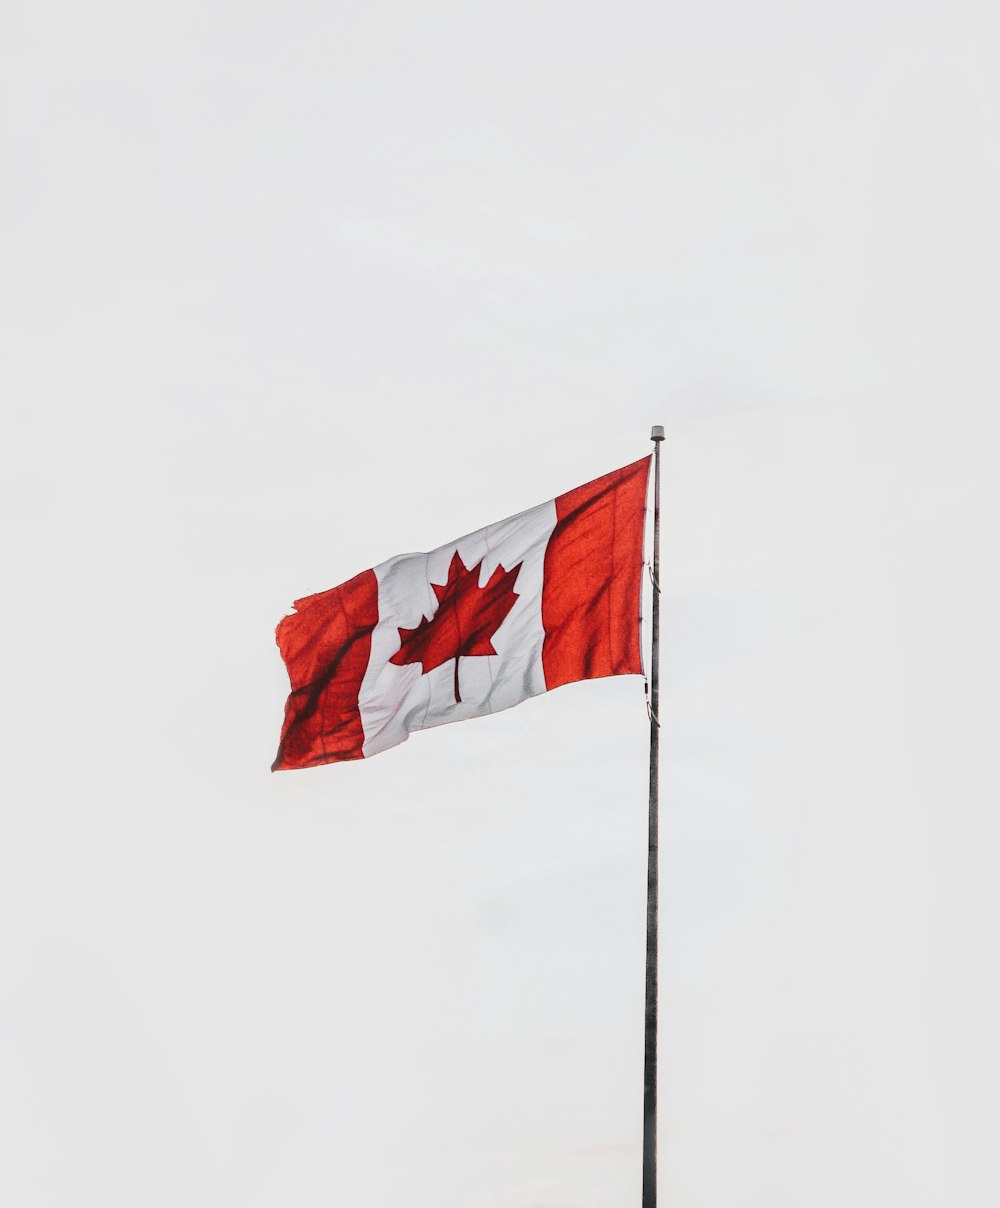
{"x":649,"y":709}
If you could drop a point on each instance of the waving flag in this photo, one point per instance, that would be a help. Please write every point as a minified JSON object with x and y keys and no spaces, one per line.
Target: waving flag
{"x":540,"y":599}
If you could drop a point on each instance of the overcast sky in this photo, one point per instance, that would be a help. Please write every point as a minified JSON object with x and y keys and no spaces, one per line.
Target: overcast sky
{"x":288,"y":289}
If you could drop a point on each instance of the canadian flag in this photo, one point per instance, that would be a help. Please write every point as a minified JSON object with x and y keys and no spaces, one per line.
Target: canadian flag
{"x":543,"y":598}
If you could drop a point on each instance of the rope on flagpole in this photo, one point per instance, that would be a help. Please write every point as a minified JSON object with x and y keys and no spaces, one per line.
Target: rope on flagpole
{"x":652,"y":578}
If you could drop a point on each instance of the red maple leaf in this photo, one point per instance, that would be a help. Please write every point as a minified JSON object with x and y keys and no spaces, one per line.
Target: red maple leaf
{"x":466,"y":618}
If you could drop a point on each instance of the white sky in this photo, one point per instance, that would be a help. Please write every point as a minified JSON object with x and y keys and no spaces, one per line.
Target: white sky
{"x":288,"y":289}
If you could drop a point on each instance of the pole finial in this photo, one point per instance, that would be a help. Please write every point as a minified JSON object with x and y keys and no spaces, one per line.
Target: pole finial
{"x":657,"y":432}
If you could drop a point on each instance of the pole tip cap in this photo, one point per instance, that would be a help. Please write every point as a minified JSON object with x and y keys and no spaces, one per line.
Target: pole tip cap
{"x":657,"y":432}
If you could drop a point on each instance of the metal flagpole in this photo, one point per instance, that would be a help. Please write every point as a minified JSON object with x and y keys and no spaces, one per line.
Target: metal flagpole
{"x":652,"y":872}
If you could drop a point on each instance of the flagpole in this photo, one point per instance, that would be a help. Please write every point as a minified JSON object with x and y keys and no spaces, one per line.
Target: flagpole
{"x":652,"y":868}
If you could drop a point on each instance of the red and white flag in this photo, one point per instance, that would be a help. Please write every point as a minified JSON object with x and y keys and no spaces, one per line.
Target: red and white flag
{"x":544,"y":598}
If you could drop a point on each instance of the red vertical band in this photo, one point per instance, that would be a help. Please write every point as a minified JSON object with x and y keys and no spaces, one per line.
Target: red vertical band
{"x":326,"y":644}
{"x":591,"y":595}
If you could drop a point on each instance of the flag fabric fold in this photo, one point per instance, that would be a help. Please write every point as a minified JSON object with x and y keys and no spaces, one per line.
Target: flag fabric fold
{"x":546,"y":597}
